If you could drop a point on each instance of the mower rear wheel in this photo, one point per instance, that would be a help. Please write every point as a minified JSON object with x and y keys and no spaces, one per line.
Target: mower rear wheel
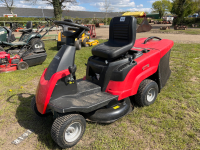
{"x":22,"y":65}
{"x":147,"y":93}
{"x":1,"y":49}
{"x":78,"y":45}
{"x":84,"y":42}
{"x":37,"y":43}
{"x":67,"y":130}
{"x":35,"y":110}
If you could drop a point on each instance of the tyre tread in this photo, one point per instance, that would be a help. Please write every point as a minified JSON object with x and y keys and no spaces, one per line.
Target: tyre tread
{"x":57,"y":124}
{"x":141,"y":88}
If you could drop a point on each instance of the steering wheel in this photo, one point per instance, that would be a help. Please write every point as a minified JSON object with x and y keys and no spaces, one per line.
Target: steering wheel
{"x":71,"y":24}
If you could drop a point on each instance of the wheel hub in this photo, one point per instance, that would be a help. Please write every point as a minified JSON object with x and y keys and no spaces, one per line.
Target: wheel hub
{"x":73,"y":132}
{"x":38,"y":45}
{"x":151,"y":95}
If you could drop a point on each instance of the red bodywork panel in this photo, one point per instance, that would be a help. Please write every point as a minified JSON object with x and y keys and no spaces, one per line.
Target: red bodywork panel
{"x":147,"y":65}
{"x":8,"y":67}
{"x":45,"y":89}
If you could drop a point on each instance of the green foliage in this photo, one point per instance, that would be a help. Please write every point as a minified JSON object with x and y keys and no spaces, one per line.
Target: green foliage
{"x":21,"y":19}
{"x":162,"y":6}
{"x":91,"y":20}
{"x":183,"y":8}
{"x":57,"y":5}
{"x":187,"y":21}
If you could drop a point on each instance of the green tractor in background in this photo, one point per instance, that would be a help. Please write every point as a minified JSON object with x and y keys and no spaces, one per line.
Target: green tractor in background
{"x":8,"y":40}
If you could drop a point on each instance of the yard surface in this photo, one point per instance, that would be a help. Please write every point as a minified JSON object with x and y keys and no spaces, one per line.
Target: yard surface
{"x":172,"y":122}
{"x":195,"y":31}
{"x":103,"y":33}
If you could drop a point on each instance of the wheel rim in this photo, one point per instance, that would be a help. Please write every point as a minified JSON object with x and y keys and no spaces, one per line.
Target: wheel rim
{"x":151,"y":95}
{"x":38,"y":45}
{"x":23,"y":66}
{"x":73,"y":132}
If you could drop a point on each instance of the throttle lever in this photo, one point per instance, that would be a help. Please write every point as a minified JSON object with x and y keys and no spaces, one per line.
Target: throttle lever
{"x":131,"y":60}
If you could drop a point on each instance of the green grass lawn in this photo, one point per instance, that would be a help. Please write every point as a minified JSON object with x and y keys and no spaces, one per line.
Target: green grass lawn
{"x":172,"y":122}
{"x":172,"y":31}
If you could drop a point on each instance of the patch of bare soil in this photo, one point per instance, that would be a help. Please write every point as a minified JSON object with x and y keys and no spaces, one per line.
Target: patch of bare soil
{"x":194,"y":79}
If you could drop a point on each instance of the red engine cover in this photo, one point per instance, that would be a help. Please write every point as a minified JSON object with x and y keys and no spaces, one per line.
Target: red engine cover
{"x":4,"y":55}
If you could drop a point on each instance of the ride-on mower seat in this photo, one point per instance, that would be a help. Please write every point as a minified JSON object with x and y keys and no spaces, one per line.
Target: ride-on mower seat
{"x":122,"y":35}
{"x":29,"y":27}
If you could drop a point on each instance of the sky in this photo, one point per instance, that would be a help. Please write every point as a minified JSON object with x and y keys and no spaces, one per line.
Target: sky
{"x":93,"y":5}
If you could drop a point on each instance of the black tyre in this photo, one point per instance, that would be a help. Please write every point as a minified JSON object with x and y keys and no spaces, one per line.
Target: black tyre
{"x":1,"y":49}
{"x":22,"y":65}
{"x":67,"y":130}
{"x":84,"y":42}
{"x":78,"y":45}
{"x":37,"y":43}
{"x":147,"y":93}
{"x":35,"y":110}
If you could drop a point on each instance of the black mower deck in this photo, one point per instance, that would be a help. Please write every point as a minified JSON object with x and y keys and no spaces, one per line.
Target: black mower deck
{"x":88,"y":98}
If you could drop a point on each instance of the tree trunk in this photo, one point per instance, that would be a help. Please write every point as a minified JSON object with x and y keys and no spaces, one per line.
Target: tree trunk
{"x":57,"y":9}
{"x":11,"y":12}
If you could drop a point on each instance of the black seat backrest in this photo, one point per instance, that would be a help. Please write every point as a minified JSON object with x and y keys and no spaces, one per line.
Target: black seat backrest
{"x":122,"y":30}
{"x":29,"y":25}
{"x":9,"y":34}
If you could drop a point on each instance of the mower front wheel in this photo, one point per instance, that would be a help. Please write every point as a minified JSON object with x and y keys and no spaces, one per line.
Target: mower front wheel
{"x":67,"y":130}
{"x":147,"y":93}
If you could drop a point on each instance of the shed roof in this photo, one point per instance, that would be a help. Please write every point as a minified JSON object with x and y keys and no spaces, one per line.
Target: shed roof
{"x":35,"y":12}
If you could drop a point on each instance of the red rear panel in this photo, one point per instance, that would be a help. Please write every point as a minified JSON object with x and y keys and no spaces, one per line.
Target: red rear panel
{"x":147,"y":65}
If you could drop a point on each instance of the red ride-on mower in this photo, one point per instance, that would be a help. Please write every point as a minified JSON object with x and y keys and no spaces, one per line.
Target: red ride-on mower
{"x":26,"y":57}
{"x":116,"y":71}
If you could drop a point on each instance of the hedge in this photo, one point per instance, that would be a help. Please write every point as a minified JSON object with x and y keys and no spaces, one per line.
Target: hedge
{"x":83,"y":20}
{"x":21,"y":19}
{"x":187,"y":21}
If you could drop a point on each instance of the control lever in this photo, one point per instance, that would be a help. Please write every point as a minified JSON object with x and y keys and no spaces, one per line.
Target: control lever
{"x":72,"y":69}
{"x":131,"y":60}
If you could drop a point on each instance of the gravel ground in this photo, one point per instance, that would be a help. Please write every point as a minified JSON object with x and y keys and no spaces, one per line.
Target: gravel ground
{"x":103,"y":33}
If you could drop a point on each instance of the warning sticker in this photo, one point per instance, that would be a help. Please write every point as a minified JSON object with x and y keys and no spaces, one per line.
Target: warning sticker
{"x":116,"y":107}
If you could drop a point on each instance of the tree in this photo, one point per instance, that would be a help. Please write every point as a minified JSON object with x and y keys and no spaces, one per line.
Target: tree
{"x":107,"y":8}
{"x":58,"y":6}
{"x":162,"y":6}
{"x":198,"y":9}
{"x":9,"y":4}
{"x":183,"y":8}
